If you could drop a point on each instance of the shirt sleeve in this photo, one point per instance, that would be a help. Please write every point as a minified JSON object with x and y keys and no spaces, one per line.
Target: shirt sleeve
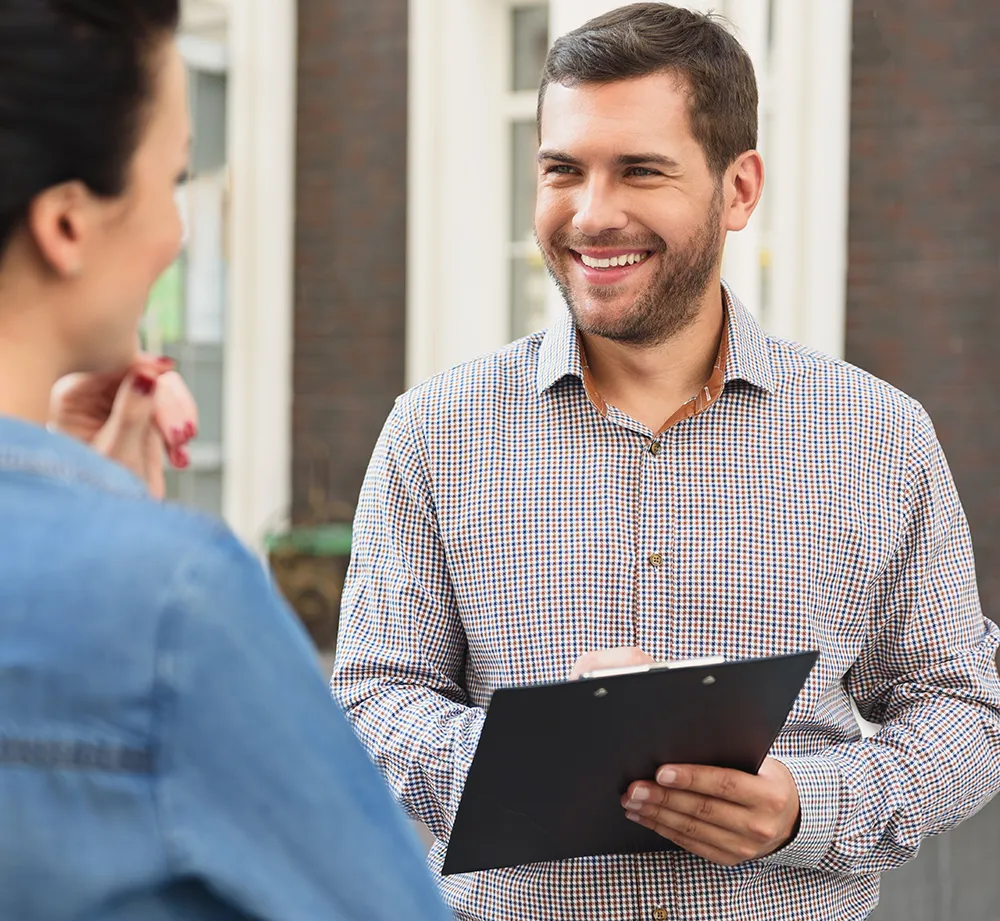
{"x":402,"y":648}
{"x":928,"y":674}
{"x":263,"y":791}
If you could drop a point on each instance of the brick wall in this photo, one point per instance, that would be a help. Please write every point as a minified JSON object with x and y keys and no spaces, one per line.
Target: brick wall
{"x":350,"y":239}
{"x":922,"y":312}
{"x":923,"y":304}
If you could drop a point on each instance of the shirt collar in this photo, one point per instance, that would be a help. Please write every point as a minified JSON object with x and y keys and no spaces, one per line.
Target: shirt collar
{"x":748,"y":354}
{"x":29,"y":448}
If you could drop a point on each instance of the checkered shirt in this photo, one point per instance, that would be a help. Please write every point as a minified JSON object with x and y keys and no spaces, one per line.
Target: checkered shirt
{"x":510,"y":522}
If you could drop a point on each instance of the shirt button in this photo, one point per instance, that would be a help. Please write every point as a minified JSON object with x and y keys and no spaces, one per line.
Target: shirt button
{"x":654,"y":448}
{"x":660,"y":914}
{"x":656,"y":560}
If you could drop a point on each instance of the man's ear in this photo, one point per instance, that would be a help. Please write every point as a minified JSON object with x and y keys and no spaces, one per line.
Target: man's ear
{"x":59,"y":220}
{"x":743,"y":185}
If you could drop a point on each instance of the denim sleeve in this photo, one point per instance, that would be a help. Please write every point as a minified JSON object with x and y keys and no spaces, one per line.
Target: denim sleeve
{"x":263,"y":790}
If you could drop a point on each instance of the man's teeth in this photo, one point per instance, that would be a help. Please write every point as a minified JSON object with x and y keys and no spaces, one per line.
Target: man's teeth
{"x":613,"y":262}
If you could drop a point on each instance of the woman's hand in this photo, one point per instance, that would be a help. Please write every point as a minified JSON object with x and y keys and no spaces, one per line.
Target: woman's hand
{"x":130,"y":417}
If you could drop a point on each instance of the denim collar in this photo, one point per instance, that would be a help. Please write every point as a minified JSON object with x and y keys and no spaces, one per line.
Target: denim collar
{"x":31,"y":449}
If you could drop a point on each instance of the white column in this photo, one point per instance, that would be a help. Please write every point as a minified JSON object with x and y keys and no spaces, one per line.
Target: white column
{"x":258,"y":382}
{"x":424,"y":190}
{"x":824,"y":189}
{"x":809,"y":160}
{"x":457,"y":305}
{"x":785,"y":162}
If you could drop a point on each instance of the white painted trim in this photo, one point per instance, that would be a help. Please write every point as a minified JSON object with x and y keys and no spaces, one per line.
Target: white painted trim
{"x":205,"y":54}
{"x":811,"y":73}
{"x":258,"y":366}
{"x":423,"y":194}
{"x":825,"y":176}
{"x":785,"y":162}
{"x":456,"y":226}
{"x":520,"y":106}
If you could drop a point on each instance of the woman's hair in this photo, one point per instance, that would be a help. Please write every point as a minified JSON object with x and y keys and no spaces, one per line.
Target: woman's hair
{"x":76,"y":78}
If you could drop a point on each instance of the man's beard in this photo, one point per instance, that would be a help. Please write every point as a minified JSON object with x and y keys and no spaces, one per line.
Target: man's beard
{"x":668,"y":303}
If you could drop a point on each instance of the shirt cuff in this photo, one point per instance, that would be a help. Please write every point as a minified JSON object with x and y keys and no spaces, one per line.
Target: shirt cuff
{"x":818,"y":781}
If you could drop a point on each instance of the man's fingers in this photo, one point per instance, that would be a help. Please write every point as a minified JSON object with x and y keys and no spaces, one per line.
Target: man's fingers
{"x":708,"y":849}
{"x":720,"y":783}
{"x":620,"y":657}
{"x":648,"y":799}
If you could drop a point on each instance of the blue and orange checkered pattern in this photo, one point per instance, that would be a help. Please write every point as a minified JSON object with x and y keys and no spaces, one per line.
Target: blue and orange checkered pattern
{"x":511,"y":522}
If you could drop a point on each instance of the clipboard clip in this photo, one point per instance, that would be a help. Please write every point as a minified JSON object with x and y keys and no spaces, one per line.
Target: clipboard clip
{"x":654,"y":666}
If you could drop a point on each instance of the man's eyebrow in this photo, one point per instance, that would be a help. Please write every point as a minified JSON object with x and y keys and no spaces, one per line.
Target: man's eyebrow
{"x":558,"y":155}
{"x":639,"y":159}
{"x":649,"y":159}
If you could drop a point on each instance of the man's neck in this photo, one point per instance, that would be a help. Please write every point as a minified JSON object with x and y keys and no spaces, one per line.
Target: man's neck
{"x":650,"y":383}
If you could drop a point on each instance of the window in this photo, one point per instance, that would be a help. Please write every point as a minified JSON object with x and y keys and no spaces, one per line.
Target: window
{"x":185,"y":316}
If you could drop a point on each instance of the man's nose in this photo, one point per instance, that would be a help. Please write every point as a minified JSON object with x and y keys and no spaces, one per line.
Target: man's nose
{"x":598,"y":210}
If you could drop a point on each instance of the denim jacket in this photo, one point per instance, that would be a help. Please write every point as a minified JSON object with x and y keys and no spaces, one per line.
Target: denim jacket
{"x":168,"y":747}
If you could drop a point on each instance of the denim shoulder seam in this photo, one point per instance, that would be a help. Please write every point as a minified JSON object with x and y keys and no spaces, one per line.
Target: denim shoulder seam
{"x":171,"y":613}
{"x":66,"y":473}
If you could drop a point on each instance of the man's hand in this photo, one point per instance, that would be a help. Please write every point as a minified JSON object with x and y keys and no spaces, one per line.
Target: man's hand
{"x":725,"y":816}
{"x":609,"y":658}
{"x":130,"y":417}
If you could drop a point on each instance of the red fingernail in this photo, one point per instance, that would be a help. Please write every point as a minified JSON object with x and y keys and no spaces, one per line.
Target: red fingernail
{"x":144,"y":385}
{"x":176,"y":435}
{"x":183,"y":459}
{"x":190,"y":430}
{"x":166,"y":363}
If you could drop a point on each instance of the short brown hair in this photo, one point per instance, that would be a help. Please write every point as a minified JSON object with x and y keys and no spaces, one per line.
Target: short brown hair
{"x":649,"y":38}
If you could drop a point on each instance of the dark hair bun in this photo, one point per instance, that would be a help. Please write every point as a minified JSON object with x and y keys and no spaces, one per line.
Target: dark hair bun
{"x":74,"y":80}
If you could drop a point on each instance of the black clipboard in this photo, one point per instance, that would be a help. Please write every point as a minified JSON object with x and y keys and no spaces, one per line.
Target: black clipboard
{"x":554,"y":759}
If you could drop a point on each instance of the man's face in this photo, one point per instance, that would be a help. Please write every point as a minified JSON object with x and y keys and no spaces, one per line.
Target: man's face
{"x":628,"y":215}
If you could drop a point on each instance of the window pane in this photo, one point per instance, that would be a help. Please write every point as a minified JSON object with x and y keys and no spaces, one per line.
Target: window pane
{"x":185,"y":318}
{"x":527,"y":280}
{"x":208,"y":114}
{"x":524,"y":167}
{"x":531,"y":44}
{"x":528,"y":294}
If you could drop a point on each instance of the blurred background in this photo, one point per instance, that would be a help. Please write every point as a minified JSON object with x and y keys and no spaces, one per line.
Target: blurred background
{"x":360,"y":218}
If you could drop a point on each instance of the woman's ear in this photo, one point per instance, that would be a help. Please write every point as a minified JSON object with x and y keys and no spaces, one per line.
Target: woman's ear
{"x":59,"y":220}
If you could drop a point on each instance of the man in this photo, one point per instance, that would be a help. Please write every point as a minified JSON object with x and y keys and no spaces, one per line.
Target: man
{"x":655,"y":477}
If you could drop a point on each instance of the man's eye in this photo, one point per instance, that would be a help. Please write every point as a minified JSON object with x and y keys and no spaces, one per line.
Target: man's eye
{"x":559,"y":169}
{"x":641,"y":172}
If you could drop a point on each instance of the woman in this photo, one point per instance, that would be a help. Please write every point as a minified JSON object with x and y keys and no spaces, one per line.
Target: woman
{"x":168,"y":748}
